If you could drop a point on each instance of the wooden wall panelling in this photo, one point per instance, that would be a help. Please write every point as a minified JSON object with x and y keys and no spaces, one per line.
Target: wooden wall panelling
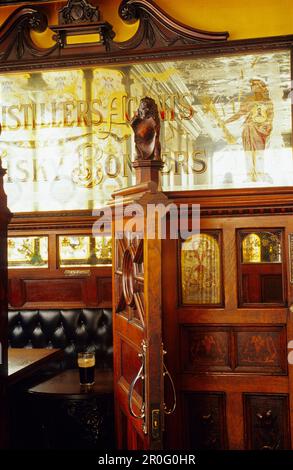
{"x":55,"y":287}
{"x":205,"y":349}
{"x":267,"y":421}
{"x":261,"y":350}
{"x":238,"y":349}
{"x":287,"y":231}
{"x":258,"y":333}
{"x":205,"y":420}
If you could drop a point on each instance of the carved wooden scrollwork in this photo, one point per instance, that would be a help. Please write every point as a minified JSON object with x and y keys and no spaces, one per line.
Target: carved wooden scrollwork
{"x":15,"y":39}
{"x":157,"y":28}
{"x":156,"y":32}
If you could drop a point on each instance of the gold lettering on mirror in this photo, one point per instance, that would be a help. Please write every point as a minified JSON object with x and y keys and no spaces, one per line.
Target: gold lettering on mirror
{"x":67,"y":141}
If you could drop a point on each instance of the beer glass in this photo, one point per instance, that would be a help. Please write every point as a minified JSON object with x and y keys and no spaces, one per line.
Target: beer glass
{"x":86,"y":366}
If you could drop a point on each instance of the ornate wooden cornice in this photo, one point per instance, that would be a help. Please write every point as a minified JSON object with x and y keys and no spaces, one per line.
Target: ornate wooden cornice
{"x":158,"y":36}
{"x":77,"y":12}
{"x":237,"y":202}
{"x":15,"y":38}
{"x":157,"y":31}
{"x":157,"y":28}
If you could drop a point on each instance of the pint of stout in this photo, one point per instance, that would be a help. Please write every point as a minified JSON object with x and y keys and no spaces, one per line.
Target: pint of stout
{"x":86,"y":365}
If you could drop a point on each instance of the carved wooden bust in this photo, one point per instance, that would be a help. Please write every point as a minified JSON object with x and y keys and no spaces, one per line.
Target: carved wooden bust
{"x":146,"y":127}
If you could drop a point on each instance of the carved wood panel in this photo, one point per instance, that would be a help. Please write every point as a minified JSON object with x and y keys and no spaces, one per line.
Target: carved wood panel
{"x":261,"y":349}
{"x":237,"y":349}
{"x":129,"y":280}
{"x":267,"y":421}
{"x":206,"y":349}
{"x":205,"y":420}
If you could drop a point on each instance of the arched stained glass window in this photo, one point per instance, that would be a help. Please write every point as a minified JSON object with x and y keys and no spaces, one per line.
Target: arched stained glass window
{"x":201,"y":269}
{"x":261,"y":247}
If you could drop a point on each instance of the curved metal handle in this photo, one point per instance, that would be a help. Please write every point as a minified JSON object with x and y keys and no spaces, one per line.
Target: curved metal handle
{"x":169,"y":411}
{"x":138,"y":376}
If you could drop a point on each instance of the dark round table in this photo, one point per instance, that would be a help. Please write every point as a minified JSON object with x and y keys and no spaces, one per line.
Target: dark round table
{"x":72,"y":416}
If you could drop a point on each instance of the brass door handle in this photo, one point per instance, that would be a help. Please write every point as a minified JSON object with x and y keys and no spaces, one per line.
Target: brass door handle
{"x":166,"y":373}
{"x":139,"y":376}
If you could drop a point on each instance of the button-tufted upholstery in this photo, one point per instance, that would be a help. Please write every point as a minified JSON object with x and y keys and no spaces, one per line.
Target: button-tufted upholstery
{"x":72,"y":330}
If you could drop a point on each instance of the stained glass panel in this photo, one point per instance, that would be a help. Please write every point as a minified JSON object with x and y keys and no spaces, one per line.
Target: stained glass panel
{"x":28,"y":252}
{"x":261,"y":247}
{"x":201,"y":269}
{"x":75,"y":250}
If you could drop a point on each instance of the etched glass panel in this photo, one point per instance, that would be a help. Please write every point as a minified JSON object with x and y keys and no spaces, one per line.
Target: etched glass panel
{"x":77,"y":250}
{"x":28,"y":252}
{"x":201,"y":269}
{"x":67,"y":140}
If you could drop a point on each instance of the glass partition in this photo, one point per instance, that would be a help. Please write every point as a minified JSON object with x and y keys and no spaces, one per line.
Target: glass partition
{"x":79,"y":251}
{"x":67,"y":141}
{"x":28,"y":252}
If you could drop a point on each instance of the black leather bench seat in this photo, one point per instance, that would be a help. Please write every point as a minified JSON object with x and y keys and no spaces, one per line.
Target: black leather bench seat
{"x":63,"y":423}
{"x":73,"y":330}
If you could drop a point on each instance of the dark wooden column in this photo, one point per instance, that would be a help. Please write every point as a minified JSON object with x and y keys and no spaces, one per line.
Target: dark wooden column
{"x":4,"y":219}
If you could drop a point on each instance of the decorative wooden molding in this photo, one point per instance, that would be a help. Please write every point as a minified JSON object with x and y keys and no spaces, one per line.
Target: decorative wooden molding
{"x":26,"y":221}
{"x":15,"y":39}
{"x":103,"y":29}
{"x":157,"y":31}
{"x":79,"y":17}
{"x":237,"y":202}
{"x":77,"y":12}
{"x":28,"y":2}
{"x":158,"y":37}
{"x":157,"y":28}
